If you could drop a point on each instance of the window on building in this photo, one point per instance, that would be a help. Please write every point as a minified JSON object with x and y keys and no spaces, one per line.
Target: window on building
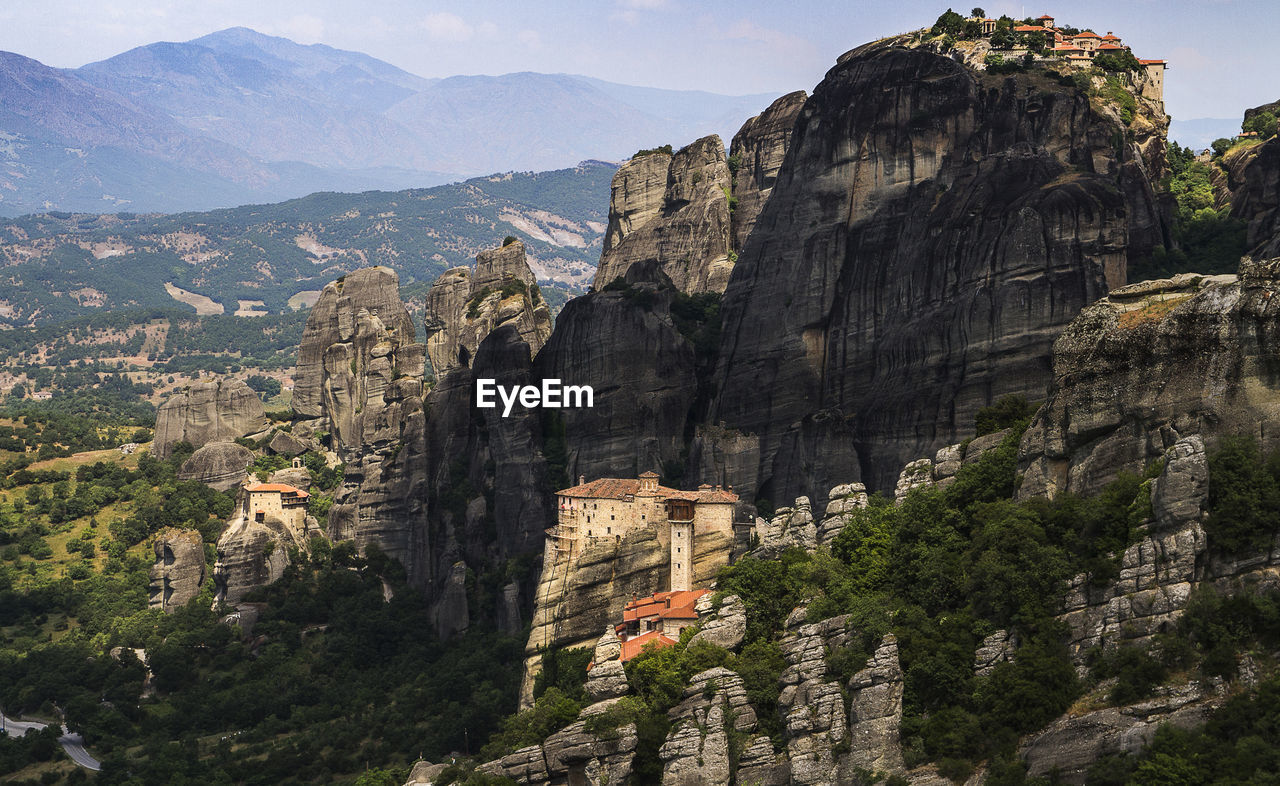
{"x":588,"y":533}
{"x":642,"y":517}
{"x":608,"y":530}
{"x":612,"y":517}
{"x":677,"y":549}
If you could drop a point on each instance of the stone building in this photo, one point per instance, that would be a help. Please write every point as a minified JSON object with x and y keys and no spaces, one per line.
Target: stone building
{"x":611,"y":508}
{"x":282,"y":501}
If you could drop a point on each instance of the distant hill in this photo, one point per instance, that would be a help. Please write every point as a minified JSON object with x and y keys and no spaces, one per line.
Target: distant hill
{"x":268,"y":258}
{"x":236,"y":117}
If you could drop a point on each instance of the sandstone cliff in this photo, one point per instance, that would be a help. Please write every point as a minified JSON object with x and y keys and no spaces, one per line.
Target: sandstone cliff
{"x":178,"y":572}
{"x":1153,"y":362}
{"x":930,"y":232}
{"x":219,"y":411}
{"x":681,"y":220}
{"x":1257,"y":199}
{"x":626,"y":345}
{"x":462,"y":308}
{"x":359,"y":381}
{"x":756,"y":154}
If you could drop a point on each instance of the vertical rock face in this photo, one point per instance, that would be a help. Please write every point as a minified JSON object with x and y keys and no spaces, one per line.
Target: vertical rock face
{"x":178,"y":573}
{"x":463,"y":308}
{"x":333,"y":322}
{"x":221,"y":411}
{"x":636,"y":196}
{"x":1258,"y":199}
{"x":626,"y":345}
{"x":930,"y":232}
{"x":1153,"y":362}
{"x":689,"y":235}
{"x":360,"y":380}
{"x":758,"y":149}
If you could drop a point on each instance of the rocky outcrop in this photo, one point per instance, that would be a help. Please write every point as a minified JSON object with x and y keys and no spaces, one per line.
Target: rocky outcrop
{"x":376,"y":290}
{"x":875,"y":712}
{"x":689,"y":232}
{"x":755,"y":155}
{"x":1070,"y":745}
{"x":941,"y":470}
{"x":218,"y":411}
{"x":449,"y":614}
{"x":218,"y":465}
{"x":1012,"y":186}
{"x":463,"y":308}
{"x":723,"y":627}
{"x":178,"y":572}
{"x":606,"y":678}
{"x":253,"y":551}
{"x":789,"y":528}
{"x":1153,"y":362}
{"x":1257,"y":200}
{"x":285,"y":444}
{"x":697,"y":747}
{"x":1158,"y":573}
{"x":572,"y":755}
{"x":359,"y":381}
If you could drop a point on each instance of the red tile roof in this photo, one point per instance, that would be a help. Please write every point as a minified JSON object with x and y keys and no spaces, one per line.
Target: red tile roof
{"x":1151,"y":62}
{"x":1046,"y":16}
{"x":621,"y":488}
{"x":1086,"y":34}
{"x":1110,"y":37}
{"x":1111,"y":48}
{"x":1030,"y":29}
{"x":280,"y":487}
{"x":633,"y":647}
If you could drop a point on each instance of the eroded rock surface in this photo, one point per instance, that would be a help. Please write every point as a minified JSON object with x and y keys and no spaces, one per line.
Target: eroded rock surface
{"x":462,"y":307}
{"x":1149,"y":364}
{"x":359,"y":380}
{"x":217,"y":411}
{"x":758,"y":149}
{"x":1011,"y":186}
{"x":218,"y":465}
{"x":178,"y":572}
{"x":689,"y":235}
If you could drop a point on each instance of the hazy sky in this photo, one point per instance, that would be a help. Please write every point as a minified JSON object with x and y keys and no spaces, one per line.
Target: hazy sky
{"x":1221,"y":52}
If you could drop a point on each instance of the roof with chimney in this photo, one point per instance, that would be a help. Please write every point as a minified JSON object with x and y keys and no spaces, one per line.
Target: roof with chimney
{"x":626,"y":488}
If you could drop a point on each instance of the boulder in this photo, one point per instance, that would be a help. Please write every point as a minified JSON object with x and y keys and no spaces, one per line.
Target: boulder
{"x":218,"y":465}
{"x":285,"y":444}
{"x":726,"y":626}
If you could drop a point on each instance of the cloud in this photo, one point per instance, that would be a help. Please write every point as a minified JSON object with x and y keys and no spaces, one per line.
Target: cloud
{"x":303,"y":28}
{"x":444,"y":26}
{"x":532,"y":39}
{"x":629,"y":10}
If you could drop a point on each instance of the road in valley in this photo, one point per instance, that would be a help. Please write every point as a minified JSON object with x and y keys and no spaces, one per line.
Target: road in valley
{"x":73,"y":744}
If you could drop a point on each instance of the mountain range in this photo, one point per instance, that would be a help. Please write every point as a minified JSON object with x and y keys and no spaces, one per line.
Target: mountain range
{"x":236,"y":117}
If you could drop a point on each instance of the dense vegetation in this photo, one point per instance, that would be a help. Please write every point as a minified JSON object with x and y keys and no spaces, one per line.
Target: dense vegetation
{"x":1207,"y":239}
{"x":335,"y":679}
